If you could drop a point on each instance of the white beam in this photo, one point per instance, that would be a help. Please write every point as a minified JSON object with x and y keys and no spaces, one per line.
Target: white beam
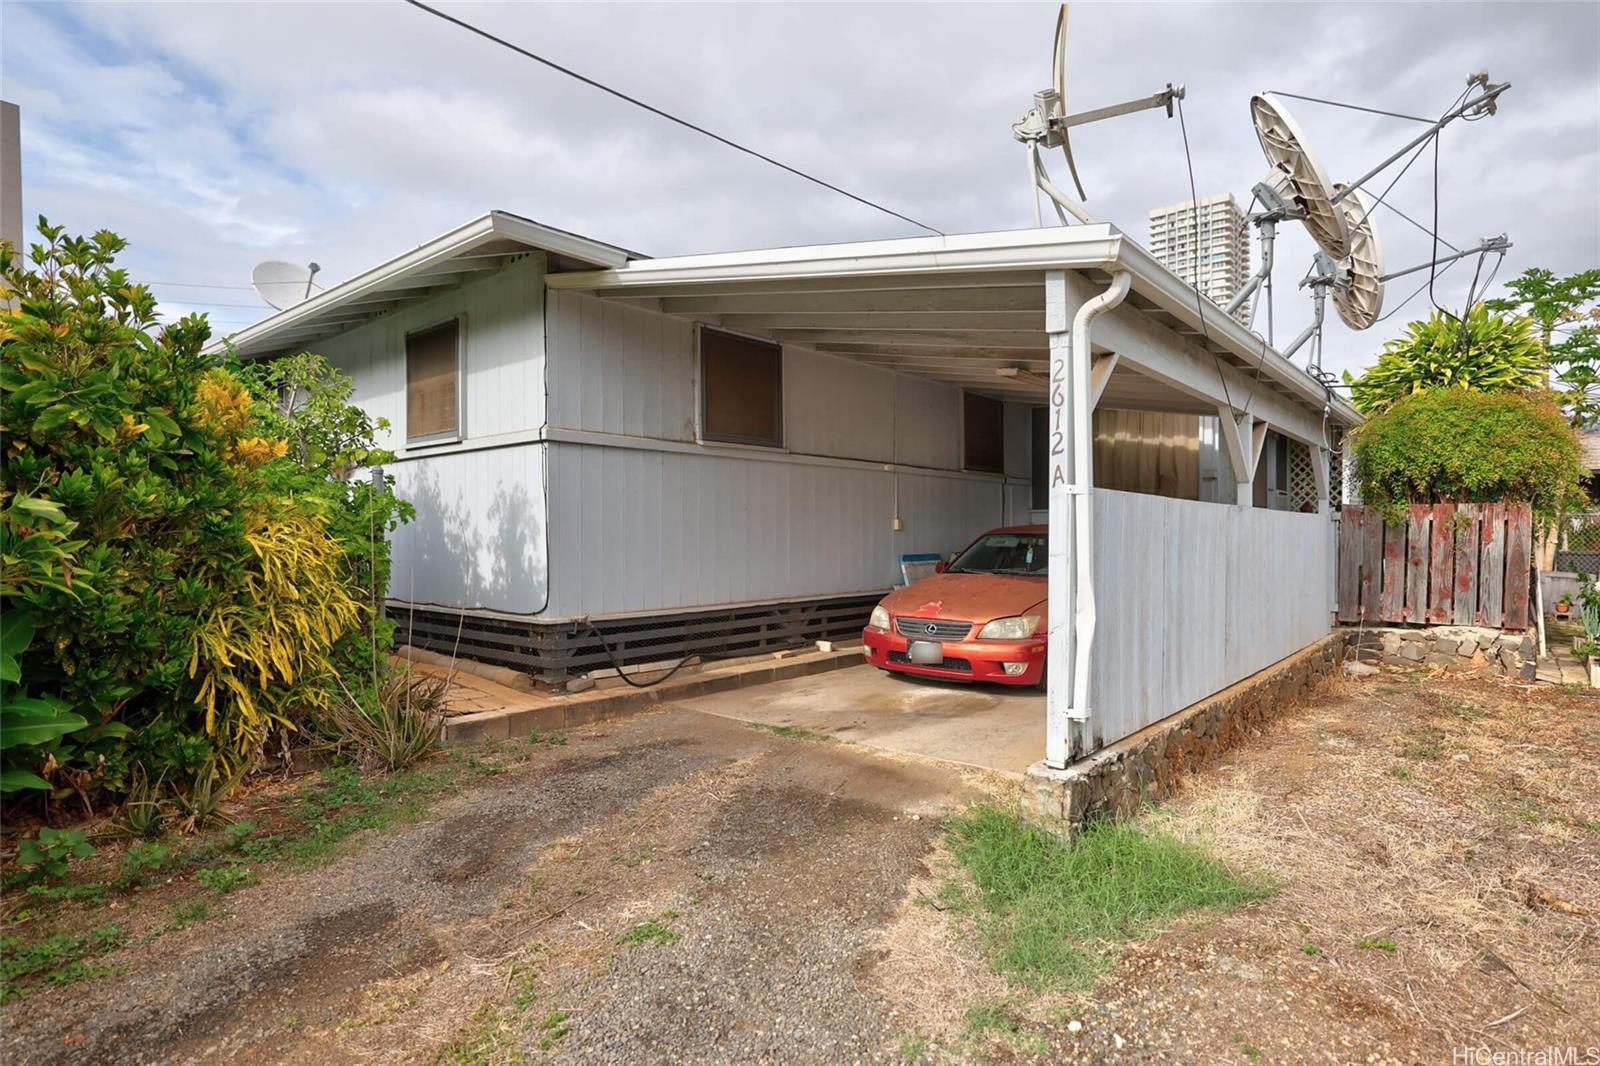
{"x":1059,"y":592}
{"x":1029,"y":297}
{"x":1031,"y":321}
{"x":1319,"y":470}
{"x":1100,"y":377}
{"x":1021,"y":340}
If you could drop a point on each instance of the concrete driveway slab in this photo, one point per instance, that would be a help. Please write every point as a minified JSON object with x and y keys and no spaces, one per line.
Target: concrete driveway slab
{"x":987,"y":726}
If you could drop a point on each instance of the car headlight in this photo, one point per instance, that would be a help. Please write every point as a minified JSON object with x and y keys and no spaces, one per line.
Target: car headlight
{"x":1016,"y":628}
{"x":880,"y":617}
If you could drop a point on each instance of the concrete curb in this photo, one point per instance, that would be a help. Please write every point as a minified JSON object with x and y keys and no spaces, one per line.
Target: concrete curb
{"x":559,"y":711}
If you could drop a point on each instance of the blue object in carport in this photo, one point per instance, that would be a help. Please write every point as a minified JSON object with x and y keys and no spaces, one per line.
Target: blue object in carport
{"x":919,"y":565}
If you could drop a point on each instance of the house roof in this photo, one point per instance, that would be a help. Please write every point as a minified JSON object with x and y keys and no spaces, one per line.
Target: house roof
{"x":483,"y":245}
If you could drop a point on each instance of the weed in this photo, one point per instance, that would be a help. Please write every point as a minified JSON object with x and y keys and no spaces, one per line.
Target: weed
{"x":224,"y":879}
{"x":791,"y":732}
{"x":1053,"y":914}
{"x":994,"y":1019}
{"x":490,"y":1040}
{"x":1376,"y":943}
{"x":1250,"y":1051}
{"x":553,"y":1028}
{"x":1425,"y":744}
{"x":1400,"y":773}
{"x":58,"y":959}
{"x":395,"y":720}
{"x":142,"y":814}
{"x":185,"y":915}
{"x":51,"y":852}
{"x":1309,"y":948}
{"x":912,"y":1047}
{"x":140,"y":863}
{"x":651,"y":931}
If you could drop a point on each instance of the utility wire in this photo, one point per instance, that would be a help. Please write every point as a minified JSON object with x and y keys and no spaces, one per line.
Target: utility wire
{"x":1199,"y":298}
{"x":197,"y":285}
{"x":1352,"y":107}
{"x":469,"y":27}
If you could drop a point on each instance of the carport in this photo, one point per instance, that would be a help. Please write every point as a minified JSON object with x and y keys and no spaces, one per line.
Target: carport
{"x":1155,"y":603}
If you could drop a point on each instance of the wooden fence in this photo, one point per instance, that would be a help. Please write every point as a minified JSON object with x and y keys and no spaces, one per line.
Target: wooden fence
{"x":1448,"y":564}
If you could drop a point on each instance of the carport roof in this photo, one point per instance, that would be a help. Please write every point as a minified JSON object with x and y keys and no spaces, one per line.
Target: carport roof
{"x":967,"y":309}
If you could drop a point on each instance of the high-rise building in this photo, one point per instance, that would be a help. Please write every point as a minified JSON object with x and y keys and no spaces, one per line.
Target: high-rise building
{"x":1220,"y":262}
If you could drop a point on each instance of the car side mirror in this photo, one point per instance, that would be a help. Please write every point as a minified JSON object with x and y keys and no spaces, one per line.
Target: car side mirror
{"x":940,"y":567}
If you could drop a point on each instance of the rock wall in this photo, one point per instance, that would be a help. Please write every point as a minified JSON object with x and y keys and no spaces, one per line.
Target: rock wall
{"x":1451,"y":647}
{"x":1147,"y":765}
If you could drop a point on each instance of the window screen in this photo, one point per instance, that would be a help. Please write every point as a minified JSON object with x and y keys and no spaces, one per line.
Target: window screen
{"x":741,"y":389}
{"x":984,"y":438}
{"x":433,"y":362}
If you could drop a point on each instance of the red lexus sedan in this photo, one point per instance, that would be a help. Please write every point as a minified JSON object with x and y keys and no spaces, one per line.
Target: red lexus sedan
{"x":980,"y":618}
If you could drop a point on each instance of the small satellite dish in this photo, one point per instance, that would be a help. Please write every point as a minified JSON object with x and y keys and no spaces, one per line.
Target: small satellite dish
{"x":1358,"y":296}
{"x":284,"y":284}
{"x":1299,"y":172}
{"x":1058,"y":66}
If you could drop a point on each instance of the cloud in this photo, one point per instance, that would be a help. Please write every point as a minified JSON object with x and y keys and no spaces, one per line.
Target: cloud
{"x":214,"y":136}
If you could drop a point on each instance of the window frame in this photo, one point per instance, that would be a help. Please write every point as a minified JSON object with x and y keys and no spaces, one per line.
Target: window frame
{"x":702,"y":433}
{"x":459,"y":433}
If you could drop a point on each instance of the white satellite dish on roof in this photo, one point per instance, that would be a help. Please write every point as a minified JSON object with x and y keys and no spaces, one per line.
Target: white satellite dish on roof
{"x":1358,"y":291}
{"x":1299,"y":174}
{"x":284,"y":284}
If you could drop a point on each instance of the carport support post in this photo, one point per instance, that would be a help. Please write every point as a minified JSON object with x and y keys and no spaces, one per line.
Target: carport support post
{"x":1061,"y":599}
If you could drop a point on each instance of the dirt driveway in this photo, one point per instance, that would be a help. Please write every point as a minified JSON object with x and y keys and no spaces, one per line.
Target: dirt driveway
{"x":680,"y":887}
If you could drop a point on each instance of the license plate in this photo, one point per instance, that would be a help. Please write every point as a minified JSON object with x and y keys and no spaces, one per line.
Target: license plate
{"x":925,"y":652}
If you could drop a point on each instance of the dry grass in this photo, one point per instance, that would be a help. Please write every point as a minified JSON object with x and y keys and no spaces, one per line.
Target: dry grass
{"x":1459,"y":819}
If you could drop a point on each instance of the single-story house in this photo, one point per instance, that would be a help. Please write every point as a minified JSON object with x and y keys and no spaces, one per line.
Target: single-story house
{"x":727,"y":452}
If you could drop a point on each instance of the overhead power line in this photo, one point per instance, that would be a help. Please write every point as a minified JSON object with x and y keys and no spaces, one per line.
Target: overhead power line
{"x":1350,"y":107}
{"x":569,"y":72}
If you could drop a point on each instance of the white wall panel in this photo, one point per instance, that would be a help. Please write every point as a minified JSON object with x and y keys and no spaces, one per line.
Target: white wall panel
{"x":837,"y":407}
{"x":927,"y":423}
{"x":635,"y":529}
{"x":620,"y":369}
{"x":504,"y":353}
{"x":478,"y":539}
{"x":1193,"y":597}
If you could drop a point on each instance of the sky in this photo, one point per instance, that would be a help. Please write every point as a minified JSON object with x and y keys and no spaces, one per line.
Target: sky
{"x":213,"y":136}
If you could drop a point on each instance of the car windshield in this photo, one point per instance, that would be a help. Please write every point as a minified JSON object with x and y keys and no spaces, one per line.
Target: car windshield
{"x":1004,"y":553}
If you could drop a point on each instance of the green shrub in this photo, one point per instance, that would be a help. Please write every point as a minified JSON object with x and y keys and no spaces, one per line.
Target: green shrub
{"x":191,"y":584}
{"x":1457,"y":445}
{"x":1486,"y":353}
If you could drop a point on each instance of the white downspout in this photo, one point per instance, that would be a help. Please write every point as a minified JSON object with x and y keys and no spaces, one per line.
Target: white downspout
{"x":1083,"y":474}
{"x":1071,"y":602}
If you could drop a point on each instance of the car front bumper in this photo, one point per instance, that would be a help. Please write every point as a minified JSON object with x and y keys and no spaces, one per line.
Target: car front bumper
{"x":964,"y":660}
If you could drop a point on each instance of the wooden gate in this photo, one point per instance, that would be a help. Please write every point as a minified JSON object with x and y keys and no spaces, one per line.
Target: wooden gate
{"x":1448,"y":564}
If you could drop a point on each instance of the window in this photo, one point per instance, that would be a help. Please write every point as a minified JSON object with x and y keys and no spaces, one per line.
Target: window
{"x":1039,"y":467}
{"x":433,"y":390}
{"x":983,"y":437}
{"x":741,"y":390}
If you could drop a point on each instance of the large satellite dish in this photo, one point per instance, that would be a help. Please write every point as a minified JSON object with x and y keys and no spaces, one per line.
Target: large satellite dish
{"x":284,"y":284}
{"x":1058,"y":67}
{"x":1300,"y":174}
{"x":1358,"y":296}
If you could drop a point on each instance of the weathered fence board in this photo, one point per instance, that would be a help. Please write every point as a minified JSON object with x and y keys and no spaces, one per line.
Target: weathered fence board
{"x":1349,"y":590}
{"x":1466,"y":541}
{"x":1416,"y":564}
{"x":1441,"y":568}
{"x":1519,"y":550}
{"x":1466,"y":564}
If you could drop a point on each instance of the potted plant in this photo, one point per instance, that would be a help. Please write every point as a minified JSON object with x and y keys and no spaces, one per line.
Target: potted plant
{"x":1589,"y":646}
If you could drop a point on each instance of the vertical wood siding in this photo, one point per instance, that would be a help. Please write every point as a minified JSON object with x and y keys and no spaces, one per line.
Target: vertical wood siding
{"x":1192,"y":597}
{"x":478,"y":539}
{"x":505,"y":353}
{"x":636,"y":530}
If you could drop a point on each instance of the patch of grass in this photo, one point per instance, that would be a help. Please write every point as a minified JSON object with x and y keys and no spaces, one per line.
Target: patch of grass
{"x":1424,"y":744}
{"x":58,"y":959}
{"x":1309,"y":948}
{"x":1377,"y":943}
{"x":1053,"y":914}
{"x":1250,"y":1051}
{"x":185,"y":915}
{"x":553,"y":1028}
{"x":224,"y":879}
{"x":994,"y":1020}
{"x":912,"y":1047}
{"x":491,"y":1041}
{"x":1400,"y":773}
{"x":791,"y":732}
{"x":651,"y":931}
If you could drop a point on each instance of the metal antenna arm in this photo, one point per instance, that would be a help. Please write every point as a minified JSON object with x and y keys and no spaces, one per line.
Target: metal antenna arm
{"x":1484,"y":102}
{"x":1164,"y":98}
{"x":1488,"y":244}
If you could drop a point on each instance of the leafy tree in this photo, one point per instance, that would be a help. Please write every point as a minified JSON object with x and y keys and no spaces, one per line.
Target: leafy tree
{"x":1455,"y":445}
{"x":1568,"y":319}
{"x":170,"y":572}
{"x":1485,"y":352}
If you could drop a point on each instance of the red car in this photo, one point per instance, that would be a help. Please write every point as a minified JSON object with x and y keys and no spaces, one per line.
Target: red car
{"x":980,"y":618}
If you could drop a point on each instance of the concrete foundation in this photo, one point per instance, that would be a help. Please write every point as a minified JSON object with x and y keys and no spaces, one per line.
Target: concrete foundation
{"x":1149,"y":764}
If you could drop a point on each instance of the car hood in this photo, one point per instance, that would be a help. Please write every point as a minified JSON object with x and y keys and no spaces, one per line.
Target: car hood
{"x":969,"y":597}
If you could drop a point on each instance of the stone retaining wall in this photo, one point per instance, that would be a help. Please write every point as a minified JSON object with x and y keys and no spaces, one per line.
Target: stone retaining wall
{"x":1147,"y":765}
{"x":1451,"y":647}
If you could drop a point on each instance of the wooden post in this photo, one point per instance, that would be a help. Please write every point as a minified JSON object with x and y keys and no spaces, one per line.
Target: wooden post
{"x":1417,"y":530}
{"x":1441,"y":566}
{"x":1492,"y":566}
{"x":1465,"y":598}
{"x":1350,"y":563}
{"x":1059,"y":645}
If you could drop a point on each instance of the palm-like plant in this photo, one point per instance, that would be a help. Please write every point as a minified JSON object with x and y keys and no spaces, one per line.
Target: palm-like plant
{"x":1485,"y":352}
